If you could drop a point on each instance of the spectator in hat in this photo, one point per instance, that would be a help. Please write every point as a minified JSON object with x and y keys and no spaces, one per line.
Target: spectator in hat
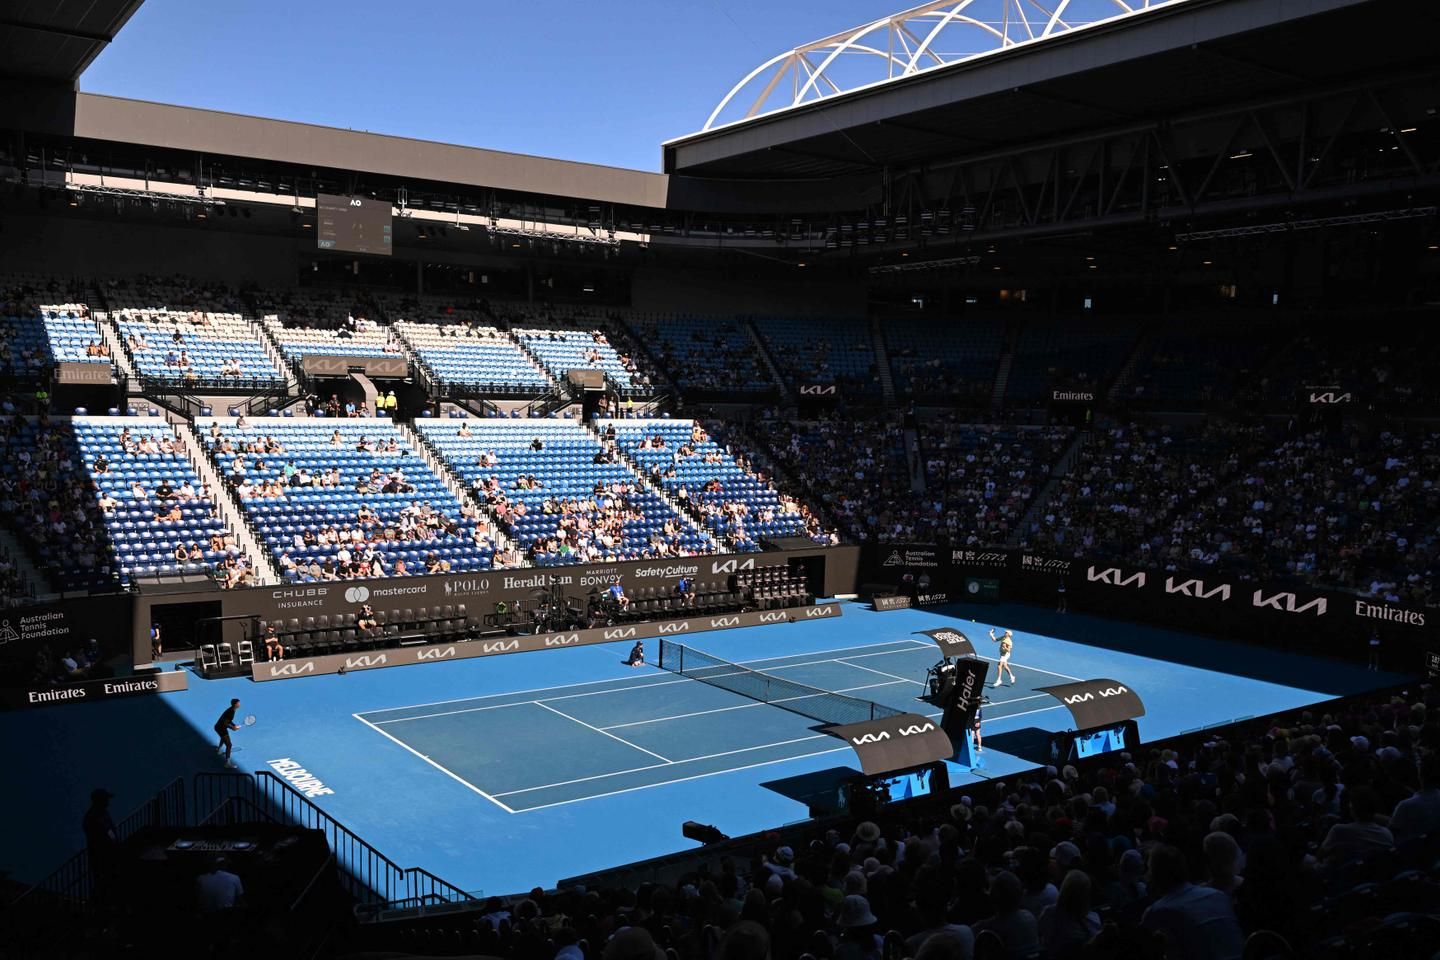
{"x":858,"y":939}
{"x":782,"y":865}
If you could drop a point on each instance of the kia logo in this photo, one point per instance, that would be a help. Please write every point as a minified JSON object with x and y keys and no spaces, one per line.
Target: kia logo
{"x":292,"y":669}
{"x":678,"y":627}
{"x":731,"y":566}
{"x":819,"y":611}
{"x":435,"y":654}
{"x":357,"y":594}
{"x":718,"y":622}
{"x":870,"y":738}
{"x":500,"y":646}
{"x":562,"y":639}
{"x":619,"y":633}
{"x":912,"y":730}
{"x":362,"y":663}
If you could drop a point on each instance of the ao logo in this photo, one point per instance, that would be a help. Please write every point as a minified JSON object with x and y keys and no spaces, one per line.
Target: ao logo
{"x":357,"y":594}
{"x":356,"y":203}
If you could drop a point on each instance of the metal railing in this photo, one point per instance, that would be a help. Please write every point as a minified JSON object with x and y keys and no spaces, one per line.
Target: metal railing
{"x":70,"y":886}
{"x":368,"y":875}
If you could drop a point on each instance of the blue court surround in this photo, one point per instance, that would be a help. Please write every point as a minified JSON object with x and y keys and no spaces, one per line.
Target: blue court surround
{"x":501,"y":773}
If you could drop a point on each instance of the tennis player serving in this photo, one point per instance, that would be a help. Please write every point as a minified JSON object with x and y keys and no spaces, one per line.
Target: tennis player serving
{"x":1007,"y":643}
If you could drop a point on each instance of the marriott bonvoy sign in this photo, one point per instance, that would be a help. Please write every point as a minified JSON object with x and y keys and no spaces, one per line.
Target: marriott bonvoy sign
{"x":464,"y":650}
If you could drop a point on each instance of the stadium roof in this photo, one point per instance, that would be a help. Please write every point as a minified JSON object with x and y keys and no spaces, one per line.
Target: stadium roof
{"x":1173,"y":57}
{"x":55,"y":40}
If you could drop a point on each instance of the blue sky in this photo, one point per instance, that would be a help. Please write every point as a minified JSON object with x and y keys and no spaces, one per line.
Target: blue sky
{"x":602,"y":81}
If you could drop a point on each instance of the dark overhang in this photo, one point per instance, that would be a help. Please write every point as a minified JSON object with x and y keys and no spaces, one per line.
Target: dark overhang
{"x":1171,"y":59}
{"x":55,"y":40}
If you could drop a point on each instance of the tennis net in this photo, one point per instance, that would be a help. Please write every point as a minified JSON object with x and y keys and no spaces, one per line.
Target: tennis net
{"x":812,"y":702}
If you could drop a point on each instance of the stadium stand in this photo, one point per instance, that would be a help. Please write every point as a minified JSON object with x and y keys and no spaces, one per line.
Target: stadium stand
{"x":713,"y":482}
{"x":196,"y":349}
{"x":844,"y":356}
{"x":43,"y":321}
{"x":473,"y":357}
{"x":561,"y":494}
{"x":50,"y":502}
{"x":562,"y":349}
{"x":851,"y":470}
{"x":712,"y":354}
{"x":951,"y":358}
{"x":344,"y":499}
{"x":1351,"y":509}
{"x":154,"y":504}
{"x":1129,"y":479}
{"x":1068,"y":355}
{"x":1201,"y":362}
{"x":360,"y":338}
{"x":1391,"y":365}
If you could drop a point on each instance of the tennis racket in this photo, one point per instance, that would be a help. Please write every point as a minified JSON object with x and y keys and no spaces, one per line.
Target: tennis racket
{"x":250,"y":720}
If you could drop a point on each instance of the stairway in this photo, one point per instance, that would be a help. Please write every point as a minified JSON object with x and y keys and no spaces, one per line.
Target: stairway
{"x":1139,"y":349}
{"x":111,"y":334}
{"x":689,"y":512}
{"x":882,"y":362}
{"x":455,"y":484}
{"x":1002,"y":370}
{"x":1059,"y":472}
{"x":31,"y":577}
{"x":763,"y":351}
{"x":230,"y":510}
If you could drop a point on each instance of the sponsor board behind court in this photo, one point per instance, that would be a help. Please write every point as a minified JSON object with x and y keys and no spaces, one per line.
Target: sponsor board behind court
{"x":465,"y":650}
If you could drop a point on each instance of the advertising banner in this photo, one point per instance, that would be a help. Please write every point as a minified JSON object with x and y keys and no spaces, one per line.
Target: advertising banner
{"x":480,"y":592}
{"x":62,"y":625}
{"x":1097,"y":703}
{"x":952,"y":642}
{"x":76,"y":372}
{"x":384,"y":368}
{"x":962,"y":699}
{"x":88,"y":691}
{"x":467,"y":649}
{"x":895,"y":743}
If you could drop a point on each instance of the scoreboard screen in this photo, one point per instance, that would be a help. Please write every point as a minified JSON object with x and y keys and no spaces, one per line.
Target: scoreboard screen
{"x":353,"y":224}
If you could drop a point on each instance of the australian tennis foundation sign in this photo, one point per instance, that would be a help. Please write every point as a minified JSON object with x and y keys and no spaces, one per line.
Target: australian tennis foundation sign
{"x":467,"y":649}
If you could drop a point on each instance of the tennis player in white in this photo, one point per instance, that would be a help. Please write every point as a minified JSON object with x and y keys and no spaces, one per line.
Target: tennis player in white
{"x":1007,"y":642}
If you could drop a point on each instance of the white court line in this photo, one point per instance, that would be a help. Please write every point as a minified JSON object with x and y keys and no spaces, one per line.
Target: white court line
{"x":881,"y":672}
{"x":750,"y":706}
{"x":631,"y":682}
{"x":521,"y":703}
{"x":598,"y":730}
{"x":1062,"y":676}
{"x":673,"y":763}
{"x":698,"y":776}
{"x":711,"y":756}
{"x":448,"y":773}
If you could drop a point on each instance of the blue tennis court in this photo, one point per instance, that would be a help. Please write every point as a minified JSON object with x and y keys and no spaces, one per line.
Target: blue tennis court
{"x":543,"y":748}
{"x":501,"y":773}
